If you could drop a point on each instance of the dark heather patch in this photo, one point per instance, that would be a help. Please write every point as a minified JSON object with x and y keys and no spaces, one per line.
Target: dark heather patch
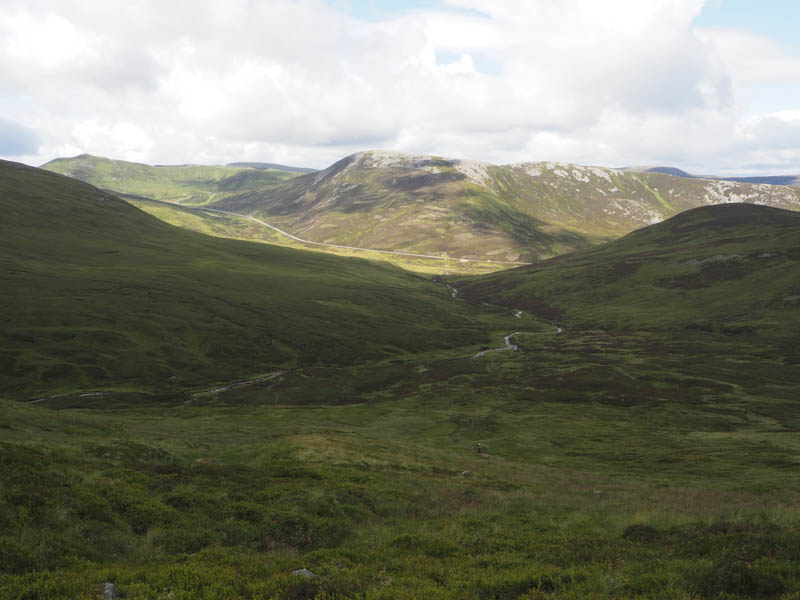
{"x":482,"y":228}
{"x":690,"y":281}
{"x":621,"y":270}
{"x":725,"y":271}
{"x":709,"y":274}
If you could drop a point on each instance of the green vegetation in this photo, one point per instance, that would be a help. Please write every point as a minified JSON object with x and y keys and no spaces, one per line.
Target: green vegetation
{"x":666,"y":205}
{"x":189,"y":184}
{"x":100,"y":296}
{"x":411,"y":204}
{"x":525,"y":212}
{"x":614,"y":468}
{"x":654,"y":457}
{"x":230,"y":226}
{"x":730,"y":269}
{"x":430,"y":205}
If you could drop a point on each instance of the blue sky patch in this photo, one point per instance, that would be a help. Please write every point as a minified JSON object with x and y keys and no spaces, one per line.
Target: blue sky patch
{"x":16,"y":140}
{"x":776,"y":19}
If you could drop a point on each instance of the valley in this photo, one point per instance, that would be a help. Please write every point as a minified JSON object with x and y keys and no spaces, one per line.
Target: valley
{"x":399,"y":300}
{"x":188,"y":416}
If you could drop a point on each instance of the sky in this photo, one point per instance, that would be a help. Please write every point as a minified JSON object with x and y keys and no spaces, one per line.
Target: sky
{"x":710,"y":87}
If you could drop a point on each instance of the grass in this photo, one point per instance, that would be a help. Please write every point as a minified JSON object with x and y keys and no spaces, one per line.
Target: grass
{"x":100,"y":296}
{"x":233,"y":227}
{"x":730,"y":268}
{"x":223,"y":497}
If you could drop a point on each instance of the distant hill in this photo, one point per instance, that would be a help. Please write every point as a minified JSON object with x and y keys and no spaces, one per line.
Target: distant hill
{"x":193,"y":184}
{"x":669,"y":171}
{"x":273,"y":166}
{"x":790,"y":180}
{"x":98,"y":294}
{"x":731,"y":269}
{"x":469,"y":209}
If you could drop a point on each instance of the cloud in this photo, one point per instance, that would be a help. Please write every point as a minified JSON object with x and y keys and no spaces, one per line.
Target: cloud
{"x":298,"y":81}
{"x":750,"y":58}
{"x":16,"y":140}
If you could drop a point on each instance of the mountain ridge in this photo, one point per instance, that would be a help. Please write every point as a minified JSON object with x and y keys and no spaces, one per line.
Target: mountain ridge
{"x":272,"y":166}
{"x":472,"y":209}
{"x":195,"y":184}
{"x":458,"y":208}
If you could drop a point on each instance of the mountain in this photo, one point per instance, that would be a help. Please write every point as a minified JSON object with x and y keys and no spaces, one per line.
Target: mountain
{"x":192,"y":184}
{"x":272,"y":166}
{"x":522,"y":212}
{"x":463,"y":209}
{"x":97,"y":293}
{"x":665,"y":170}
{"x":791,"y":180}
{"x":732,"y":269}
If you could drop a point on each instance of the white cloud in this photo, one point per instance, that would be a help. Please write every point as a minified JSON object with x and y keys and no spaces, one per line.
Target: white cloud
{"x":750,"y":58}
{"x":615,"y":82}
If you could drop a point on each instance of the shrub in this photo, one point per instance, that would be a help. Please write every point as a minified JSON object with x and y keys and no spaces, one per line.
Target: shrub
{"x":641,"y":533}
{"x":730,"y":574}
{"x":14,"y":558}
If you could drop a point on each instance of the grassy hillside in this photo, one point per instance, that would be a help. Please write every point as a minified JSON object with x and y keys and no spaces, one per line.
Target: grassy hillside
{"x":97,"y":294}
{"x":191,"y":184}
{"x":409,"y":203}
{"x":523,"y":212}
{"x":238,"y":227}
{"x":733,"y":268}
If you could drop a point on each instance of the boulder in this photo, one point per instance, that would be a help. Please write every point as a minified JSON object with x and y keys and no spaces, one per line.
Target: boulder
{"x":110,"y":591}
{"x":303,"y":573}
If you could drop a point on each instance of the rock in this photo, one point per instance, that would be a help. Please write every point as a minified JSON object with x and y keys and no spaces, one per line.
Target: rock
{"x":466,"y":473}
{"x":303,"y":573}
{"x":110,"y":592}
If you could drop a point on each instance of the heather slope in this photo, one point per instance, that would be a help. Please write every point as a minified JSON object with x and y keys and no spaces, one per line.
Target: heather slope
{"x":459,"y":208}
{"x":98,"y":294}
{"x":411,"y":203}
{"x":732,"y":268}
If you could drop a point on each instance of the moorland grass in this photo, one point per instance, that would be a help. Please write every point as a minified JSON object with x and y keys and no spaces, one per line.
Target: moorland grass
{"x":587,"y":489}
{"x":731,"y":268}
{"x":231,"y":226}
